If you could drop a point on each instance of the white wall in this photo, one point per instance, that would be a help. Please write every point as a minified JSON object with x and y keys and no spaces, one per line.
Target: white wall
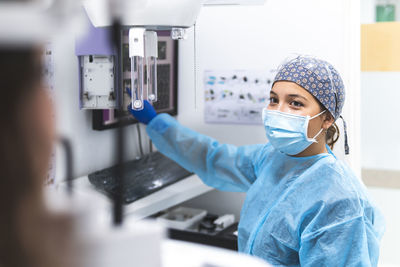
{"x":379,"y":122}
{"x":367,"y":11}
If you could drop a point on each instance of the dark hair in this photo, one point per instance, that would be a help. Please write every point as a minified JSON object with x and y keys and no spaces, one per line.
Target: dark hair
{"x":333,"y":132}
{"x":332,"y":135}
{"x":20,"y":75}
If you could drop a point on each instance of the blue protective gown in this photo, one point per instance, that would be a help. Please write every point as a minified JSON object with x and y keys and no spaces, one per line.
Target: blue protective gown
{"x":299,"y":211}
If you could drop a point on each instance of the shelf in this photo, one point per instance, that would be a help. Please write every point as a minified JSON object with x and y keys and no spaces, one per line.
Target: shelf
{"x":167,"y":197}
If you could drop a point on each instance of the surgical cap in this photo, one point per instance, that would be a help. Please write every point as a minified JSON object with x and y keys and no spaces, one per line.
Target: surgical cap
{"x":319,"y":78}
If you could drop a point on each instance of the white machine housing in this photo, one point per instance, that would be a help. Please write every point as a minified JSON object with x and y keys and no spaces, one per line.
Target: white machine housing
{"x":233,"y":2}
{"x":150,"y":14}
{"x":154,"y":14}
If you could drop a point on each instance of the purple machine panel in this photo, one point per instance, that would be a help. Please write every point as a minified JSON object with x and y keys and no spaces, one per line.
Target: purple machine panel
{"x":96,"y":42}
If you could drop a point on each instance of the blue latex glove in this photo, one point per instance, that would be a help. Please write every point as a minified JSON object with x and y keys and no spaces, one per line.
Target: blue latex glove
{"x":146,"y":114}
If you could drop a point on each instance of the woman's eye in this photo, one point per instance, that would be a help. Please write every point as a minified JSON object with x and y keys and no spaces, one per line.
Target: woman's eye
{"x":273,"y":100}
{"x":296,"y":104}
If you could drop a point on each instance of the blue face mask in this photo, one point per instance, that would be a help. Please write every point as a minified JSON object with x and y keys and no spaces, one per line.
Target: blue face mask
{"x":288,"y":132}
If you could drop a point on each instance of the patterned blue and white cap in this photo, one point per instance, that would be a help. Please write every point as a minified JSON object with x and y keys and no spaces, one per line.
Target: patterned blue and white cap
{"x":319,"y":78}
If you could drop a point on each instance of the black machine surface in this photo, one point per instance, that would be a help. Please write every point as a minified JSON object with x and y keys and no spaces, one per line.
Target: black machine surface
{"x":143,"y":177}
{"x":206,"y":233}
{"x":222,"y":239}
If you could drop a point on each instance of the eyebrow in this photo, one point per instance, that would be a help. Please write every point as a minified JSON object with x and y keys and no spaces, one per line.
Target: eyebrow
{"x":291,"y":95}
{"x":296,"y":95}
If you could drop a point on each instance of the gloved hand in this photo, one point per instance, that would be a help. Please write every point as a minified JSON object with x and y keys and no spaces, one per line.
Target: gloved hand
{"x":146,"y":114}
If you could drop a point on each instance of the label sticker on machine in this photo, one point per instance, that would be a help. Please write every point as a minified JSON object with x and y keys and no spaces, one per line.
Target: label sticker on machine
{"x":236,"y":96}
{"x":48,"y":75}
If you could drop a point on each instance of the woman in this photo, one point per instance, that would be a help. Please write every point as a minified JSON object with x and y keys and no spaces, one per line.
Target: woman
{"x":29,"y":234}
{"x":304,"y":207}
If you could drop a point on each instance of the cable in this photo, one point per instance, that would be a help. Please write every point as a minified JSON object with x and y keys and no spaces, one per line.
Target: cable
{"x":151,"y":145}
{"x":139,"y":139}
{"x":66,"y":145}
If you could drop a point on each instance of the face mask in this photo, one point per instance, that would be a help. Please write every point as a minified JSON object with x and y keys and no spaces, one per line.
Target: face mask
{"x":288,"y":132}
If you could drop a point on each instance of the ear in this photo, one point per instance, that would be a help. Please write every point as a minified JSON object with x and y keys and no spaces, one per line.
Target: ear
{"x":328,"y":120}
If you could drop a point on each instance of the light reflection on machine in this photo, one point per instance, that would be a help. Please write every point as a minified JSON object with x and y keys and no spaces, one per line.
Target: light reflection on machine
{"x":143,"y":50}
